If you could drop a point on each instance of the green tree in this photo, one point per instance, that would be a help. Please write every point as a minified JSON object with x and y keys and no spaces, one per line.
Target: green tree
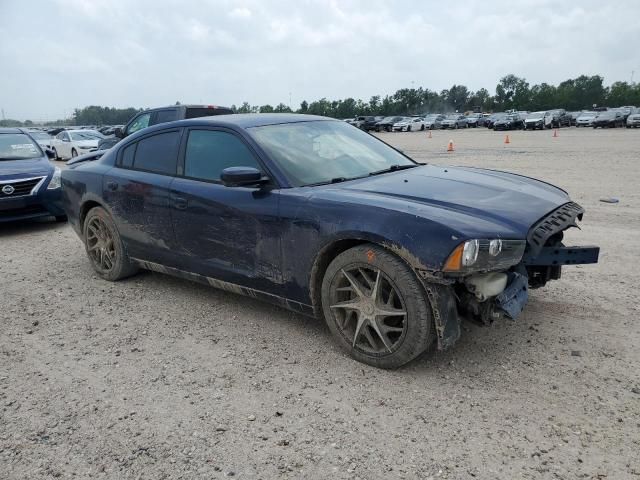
{"x":512,"y":92}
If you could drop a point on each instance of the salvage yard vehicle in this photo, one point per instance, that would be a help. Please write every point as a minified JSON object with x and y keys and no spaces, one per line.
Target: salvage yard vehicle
{"x":433,"y":121}
{"x":324,"y":219}
{"x":608,"y":119}
{"x":585,"y":119}
{"x":633,"y":120}
{"x":408,"y":124}
{"x":29,"y":183}
{"x":386,"y":124}
{"x":513,"y":121}
{"x":537,"y":120}
{"x":71,"y":143}
{"x":158,"y":115}
{"x":454,"y":121}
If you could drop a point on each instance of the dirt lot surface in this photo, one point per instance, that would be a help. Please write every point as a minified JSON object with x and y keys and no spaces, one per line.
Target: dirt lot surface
{"x":155,"y":377}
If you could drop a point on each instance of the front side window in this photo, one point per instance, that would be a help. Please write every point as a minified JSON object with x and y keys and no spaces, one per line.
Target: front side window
{"x":209,"y":152}
{"x":17,"y":146}
{"x":139,"y":123}
{"x":323,"y":151}
{"x":158,"y":153}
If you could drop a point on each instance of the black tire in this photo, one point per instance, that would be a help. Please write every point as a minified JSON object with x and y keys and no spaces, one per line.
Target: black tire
{"x":417,"y":325}
{"x":55,"y":154}
{"x":121,"y":267}
{"x":61,"y":218}
{"x":74,"y":153}
{"x":421,"y":127}
{"x":408,"y":128}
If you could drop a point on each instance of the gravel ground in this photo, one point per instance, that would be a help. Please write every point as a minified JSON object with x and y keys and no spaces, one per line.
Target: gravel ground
{"x":155,"y":377}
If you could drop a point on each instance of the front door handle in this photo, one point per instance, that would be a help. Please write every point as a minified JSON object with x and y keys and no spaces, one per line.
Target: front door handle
{"x":180,"y":203}
{"x":113,"y":186}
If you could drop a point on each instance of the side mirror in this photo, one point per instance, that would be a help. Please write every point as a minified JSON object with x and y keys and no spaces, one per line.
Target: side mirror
{"x":49,"y":153}
{"x":242,"y":176}
{"x":118,"y":133}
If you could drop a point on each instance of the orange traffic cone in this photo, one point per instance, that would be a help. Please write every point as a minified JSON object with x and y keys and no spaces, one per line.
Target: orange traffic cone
{"x":450,"y":147}
{"x":430,"y":134}
{"x":555,"y":133}
{"x":506,"y":139}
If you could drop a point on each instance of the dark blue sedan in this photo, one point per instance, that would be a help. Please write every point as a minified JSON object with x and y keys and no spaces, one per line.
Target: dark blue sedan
{"x":29,"y":183}
{"x":324,"y":219}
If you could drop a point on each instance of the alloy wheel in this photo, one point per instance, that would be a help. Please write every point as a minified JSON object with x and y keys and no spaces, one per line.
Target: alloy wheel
{"x":100,"y":244}
{"x":369,"y":310}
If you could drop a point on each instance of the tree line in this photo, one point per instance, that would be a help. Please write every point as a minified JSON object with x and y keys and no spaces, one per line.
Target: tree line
{"x":511,"y":92}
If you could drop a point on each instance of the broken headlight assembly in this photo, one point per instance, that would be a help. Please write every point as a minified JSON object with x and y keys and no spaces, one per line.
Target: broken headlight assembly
{"x":483,"y":255}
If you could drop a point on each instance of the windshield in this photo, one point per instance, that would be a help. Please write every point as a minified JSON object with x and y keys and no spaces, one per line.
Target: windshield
{"x":452,"y":117}
{"x":86,"y":135}
{"x":18,"y":146}
{"x":322,"y":151}
{"x":606,"y":115}
{"x":431,"y":117}
{"x":536,"y":115}
{"x":588,"y":114}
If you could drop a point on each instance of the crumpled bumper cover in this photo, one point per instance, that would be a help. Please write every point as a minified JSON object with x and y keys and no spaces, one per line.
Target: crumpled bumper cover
{"x":513,"y":298}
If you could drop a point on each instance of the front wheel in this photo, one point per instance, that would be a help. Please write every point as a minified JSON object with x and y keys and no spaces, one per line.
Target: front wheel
{"x":376,"y":307}
{"x":74,"y":153}
{"x":409,"y":128}
{"x":104,"y":246}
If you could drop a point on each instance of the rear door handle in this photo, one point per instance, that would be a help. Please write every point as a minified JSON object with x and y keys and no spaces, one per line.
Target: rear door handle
{"x":180,"y":203}
{"x":113,"y":186}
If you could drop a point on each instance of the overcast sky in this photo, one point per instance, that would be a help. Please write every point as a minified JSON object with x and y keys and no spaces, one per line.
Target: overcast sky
{"x":61,"y":54}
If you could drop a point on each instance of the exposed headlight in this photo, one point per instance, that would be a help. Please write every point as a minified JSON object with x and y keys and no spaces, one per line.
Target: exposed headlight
{"x":481,"y":255}
{"x":55,"y":180}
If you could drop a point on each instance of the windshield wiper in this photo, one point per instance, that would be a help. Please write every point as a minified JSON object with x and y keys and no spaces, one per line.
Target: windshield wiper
{"x":393,"y":168}
{"x":328,"y":182}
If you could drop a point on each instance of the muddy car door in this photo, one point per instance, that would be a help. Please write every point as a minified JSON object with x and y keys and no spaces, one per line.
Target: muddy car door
{"x":228,"y":233}
{"x":136,"y":190}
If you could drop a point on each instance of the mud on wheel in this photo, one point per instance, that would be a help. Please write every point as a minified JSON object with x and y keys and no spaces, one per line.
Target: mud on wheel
{"x":104,"y":246}
{"x":376,"y":307}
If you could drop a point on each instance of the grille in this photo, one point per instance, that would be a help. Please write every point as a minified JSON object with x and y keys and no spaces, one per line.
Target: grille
{"x":17,"y":212}
{"x":21,"y":187}
{"x":557,"y":221}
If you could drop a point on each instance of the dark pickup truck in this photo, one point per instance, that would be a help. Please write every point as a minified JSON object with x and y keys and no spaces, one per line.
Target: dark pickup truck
{"x":155,"y":116}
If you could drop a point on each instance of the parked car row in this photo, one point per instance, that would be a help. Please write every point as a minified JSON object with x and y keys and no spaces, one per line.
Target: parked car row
{"x":510,"y":120}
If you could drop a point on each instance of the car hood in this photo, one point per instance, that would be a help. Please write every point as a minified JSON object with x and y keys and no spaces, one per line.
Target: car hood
{"x":24,"y":168}
{"x":466,"y":199}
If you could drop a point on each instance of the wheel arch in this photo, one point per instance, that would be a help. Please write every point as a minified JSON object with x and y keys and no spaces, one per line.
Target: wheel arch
{"x":86,"y":206}
{"x":336,"y":246}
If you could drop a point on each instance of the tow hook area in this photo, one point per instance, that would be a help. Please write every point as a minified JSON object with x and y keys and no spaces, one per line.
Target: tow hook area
{"x":487,"y":297}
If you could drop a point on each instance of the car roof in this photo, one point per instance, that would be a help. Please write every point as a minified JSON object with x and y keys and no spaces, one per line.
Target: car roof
{"x":11,"y":130}
{"x":248,"y":120}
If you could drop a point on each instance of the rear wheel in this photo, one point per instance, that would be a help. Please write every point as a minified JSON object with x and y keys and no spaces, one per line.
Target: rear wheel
{"x":409,"y":128}
{"x":55,"y":154}
{"x":376,"y":308}
{"x":104,"y":246}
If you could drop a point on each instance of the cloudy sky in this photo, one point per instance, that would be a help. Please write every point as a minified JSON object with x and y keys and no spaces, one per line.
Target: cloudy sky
{"x":57,"y":55}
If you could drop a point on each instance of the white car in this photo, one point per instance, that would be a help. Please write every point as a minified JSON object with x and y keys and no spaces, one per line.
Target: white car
{"x":43,"y":138}
{"x":585,"y":119}
{"x":71,"y":143}
{"x":408,"y":124}
{"x":535,"y":120}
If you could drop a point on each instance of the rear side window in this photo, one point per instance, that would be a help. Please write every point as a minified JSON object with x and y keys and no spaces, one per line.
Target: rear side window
{"x":209,"y":152}
{"x":157,"y":154}
{"x":164,"y":116}
{"x":206,"y":112}
{"x":127,"y":156}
